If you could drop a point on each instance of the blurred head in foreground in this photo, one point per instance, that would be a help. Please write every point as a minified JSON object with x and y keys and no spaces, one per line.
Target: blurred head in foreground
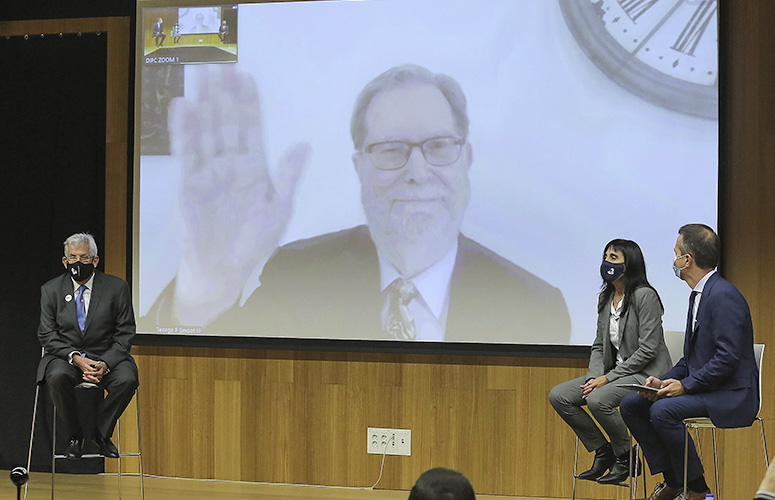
{"x":442,"y":484}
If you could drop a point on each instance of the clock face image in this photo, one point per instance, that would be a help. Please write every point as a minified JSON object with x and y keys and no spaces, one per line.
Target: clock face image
{"x":665,"y":51}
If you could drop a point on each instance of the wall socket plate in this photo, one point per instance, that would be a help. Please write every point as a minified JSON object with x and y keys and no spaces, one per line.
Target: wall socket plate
{"x":398,"y":441}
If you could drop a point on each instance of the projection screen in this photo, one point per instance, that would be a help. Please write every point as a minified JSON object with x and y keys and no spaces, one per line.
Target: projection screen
{"x":503,"y":145}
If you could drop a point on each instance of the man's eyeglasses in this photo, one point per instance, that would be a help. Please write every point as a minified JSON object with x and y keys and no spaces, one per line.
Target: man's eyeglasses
{"x":392,"y":155}
{"x":85,"y":259}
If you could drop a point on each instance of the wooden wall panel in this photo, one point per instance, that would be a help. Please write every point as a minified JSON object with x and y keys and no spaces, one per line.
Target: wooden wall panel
{"x":302,"y":418}
{"x":116,"y":145}
{"x":227,"y":426}
{"x":749,"y":217}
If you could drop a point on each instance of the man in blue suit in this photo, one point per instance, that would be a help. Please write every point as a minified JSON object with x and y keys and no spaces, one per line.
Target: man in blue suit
{"x":717,"y":376}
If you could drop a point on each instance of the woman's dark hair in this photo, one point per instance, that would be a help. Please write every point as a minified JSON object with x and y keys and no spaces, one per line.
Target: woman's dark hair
{"x":634,"y":273}
{"x":442,"y":484}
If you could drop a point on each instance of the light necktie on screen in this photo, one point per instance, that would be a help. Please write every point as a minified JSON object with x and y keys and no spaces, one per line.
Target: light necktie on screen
{"x":400,"y":322}
{"x":80,"y":308}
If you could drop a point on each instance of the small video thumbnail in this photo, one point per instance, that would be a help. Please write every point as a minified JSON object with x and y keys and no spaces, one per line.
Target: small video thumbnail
{"x":190,"y":35}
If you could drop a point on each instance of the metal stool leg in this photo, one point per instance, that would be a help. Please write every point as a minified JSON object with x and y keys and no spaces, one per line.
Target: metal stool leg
{"x":139,"y":445}
{"x":697,"y":442}
{"x":53,"y":451}
{"x":686,"y":457}
{"x":715,"y":463}
{"x":634,"y":465}
{"x":32,"y":435}
{"x":139,"y":453}
{"x":643,"y":468}
{"x":635,"y":461}
{"x":764,"y":445}
{"x":575,"y":465}
{"x":118,"y":446}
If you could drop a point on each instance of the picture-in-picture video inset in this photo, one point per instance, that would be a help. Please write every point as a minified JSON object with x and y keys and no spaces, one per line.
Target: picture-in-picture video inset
{"x":190,"y":35}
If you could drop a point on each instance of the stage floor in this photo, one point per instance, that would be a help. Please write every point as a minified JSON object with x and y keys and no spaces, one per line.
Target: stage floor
{"x":105,"y":487}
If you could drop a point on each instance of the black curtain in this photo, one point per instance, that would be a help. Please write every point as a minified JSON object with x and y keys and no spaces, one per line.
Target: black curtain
{"x":52,"y":153}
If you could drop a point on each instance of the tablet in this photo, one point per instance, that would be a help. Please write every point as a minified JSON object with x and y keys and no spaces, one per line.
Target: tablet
{"x":638,"y":387}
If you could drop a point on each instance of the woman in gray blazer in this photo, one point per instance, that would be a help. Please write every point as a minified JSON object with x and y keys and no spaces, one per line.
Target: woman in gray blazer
{"x":629,"y":346}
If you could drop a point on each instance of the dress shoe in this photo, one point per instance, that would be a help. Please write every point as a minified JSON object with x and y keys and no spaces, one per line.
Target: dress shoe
{"x":107,"y":448}
{"x":604,"y":459}
{"x":691,"y":495}
{"x":620,"y":471}
{"x":74,"y":447}
{"x":663,"y":492}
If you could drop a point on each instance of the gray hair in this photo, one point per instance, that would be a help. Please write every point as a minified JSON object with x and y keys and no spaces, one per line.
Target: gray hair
{"x":79,"y":239}
{"x":408,"y":73}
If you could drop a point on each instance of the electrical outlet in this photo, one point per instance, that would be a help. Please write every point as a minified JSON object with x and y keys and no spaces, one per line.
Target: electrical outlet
{"x":397,"y":441}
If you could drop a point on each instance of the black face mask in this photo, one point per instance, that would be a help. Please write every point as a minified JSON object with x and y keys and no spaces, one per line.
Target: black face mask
{"x":80,"y":271}
{"x":611,"y":272}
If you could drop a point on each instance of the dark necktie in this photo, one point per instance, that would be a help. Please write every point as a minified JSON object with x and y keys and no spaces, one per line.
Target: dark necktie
{"x":80,"y":308}
{"x":690,"y":316}
{"x":400,"y":323}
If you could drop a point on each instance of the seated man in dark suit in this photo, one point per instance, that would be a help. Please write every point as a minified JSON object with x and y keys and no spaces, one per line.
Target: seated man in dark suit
{"x":442,"y":484}
{"x":86,"y":327}
{"x":223,"y":30}
{"x":716,"y":377}
{"x":409,"y":275}
{"x":158,"y":32}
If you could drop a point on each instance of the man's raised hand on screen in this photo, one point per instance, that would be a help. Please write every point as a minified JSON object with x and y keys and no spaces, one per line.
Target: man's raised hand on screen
{"x":233,"y":213}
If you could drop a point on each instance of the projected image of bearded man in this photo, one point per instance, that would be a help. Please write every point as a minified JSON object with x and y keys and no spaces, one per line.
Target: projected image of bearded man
{"x":413,"y":163}
{"x":409,"y":274}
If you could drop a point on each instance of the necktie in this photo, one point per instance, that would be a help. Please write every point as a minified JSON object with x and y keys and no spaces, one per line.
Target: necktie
{"x":80,"y":308}
{"x":400,"y":323}
{"x":690,"y":315}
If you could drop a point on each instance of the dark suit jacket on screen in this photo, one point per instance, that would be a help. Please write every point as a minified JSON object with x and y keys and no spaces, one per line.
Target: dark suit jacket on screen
{"x":718,"y":361}
{"x":329,"y":287}
{"x":110,"y":321}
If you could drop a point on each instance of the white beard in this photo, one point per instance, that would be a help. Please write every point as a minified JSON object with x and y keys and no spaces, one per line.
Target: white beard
{"x":416,"y":240}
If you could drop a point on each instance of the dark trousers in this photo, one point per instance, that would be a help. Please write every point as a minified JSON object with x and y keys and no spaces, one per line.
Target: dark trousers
{"x":120,"y":383}
{"x":659,"y":429}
